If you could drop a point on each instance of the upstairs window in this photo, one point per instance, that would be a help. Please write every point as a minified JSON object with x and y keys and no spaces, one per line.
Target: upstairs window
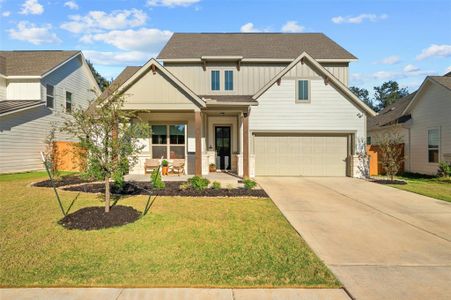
{"x":215,"y":81}
{"x":50,"y":96}
{"x":68,"y":102}
{"x":433,"y":145}
{"x":228,"y":80}
{"x":303,"y":91}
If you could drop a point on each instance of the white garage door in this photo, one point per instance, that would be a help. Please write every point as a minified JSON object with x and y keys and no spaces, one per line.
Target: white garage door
{"x":300,"y":155}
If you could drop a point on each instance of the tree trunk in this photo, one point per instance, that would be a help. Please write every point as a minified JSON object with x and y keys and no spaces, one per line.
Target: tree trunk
{"x":107,"y":194}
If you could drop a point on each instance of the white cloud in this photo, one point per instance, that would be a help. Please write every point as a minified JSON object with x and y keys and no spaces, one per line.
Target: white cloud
{"x":36,"y":35}
{"x":435,"y":50}
{"x":6,"y":13}
{"x":292,"y":26}
{"x":390,"y":60}
{"x":31,"y":7}
{"x":411,"y":68}
{"x":358,"y":19}
{"x":171,"y":3}
{"x":249,"y":27}
{"x":96,"y":21}
{"x":144,"y":39}
{"x":118,"y":58}
{"x":71,"y":5}
{"x":448,"y":69}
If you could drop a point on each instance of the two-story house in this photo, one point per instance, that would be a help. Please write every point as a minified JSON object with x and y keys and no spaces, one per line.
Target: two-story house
{"x":257,"y":104}
{"x":37,"y":90}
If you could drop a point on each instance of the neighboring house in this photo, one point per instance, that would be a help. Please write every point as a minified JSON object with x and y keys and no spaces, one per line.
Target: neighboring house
{"x":256,"y":104}
{"x":423,"y":120}
{"x":37,"y":89}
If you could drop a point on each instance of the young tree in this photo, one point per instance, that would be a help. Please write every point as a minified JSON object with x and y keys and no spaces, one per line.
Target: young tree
{"x":363,"y":95}
{"x":108,"y":135}
{"x":391,"y":153}
{"x":101,"y":81}
{"x":388,"y":93}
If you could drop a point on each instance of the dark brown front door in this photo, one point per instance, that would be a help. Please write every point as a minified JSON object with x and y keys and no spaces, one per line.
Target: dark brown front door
{"x":223,"y":147}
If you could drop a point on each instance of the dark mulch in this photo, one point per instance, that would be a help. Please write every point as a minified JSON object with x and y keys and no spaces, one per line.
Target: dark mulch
{"x":95,"y":217}
{"x":171,"y":189}
{"x":387,"y":181}
{"x":64,"y":180}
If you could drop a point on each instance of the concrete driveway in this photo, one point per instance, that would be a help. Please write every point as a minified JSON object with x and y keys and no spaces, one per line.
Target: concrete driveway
{"x":381,"y":242}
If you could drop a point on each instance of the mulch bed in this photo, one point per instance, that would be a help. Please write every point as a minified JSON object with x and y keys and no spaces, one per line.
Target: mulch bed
{"x":387,"y":181}
{"x":63,"y":181}
{"x":171,"y":189}
{"x":95,"y":217}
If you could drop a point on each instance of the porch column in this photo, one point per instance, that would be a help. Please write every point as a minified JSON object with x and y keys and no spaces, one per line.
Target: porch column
{"x":198,"y":137}
{"x":246,"y":145}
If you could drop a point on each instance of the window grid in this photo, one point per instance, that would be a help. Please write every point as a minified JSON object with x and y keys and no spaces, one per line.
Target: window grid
{"x":303,"y":90}
{"x":215,"y":80}
{"x":433,"y":145}
{"x":68,"y":101}
{"x":228,"y":80}
{"x":50,"y":96}
{"x":168,"y":141}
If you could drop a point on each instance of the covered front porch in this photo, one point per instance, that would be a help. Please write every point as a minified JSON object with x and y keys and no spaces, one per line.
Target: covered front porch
{"x":206,"y":141}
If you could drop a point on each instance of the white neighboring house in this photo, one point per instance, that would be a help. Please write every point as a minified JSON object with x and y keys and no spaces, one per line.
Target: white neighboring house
{"x":423,"y":120}
{"x":37,"y":89}
{"x":257,"y":104}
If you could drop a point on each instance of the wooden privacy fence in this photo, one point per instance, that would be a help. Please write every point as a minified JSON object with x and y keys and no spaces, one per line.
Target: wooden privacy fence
{"x":67,"y":156}
{"x":374,"y":153}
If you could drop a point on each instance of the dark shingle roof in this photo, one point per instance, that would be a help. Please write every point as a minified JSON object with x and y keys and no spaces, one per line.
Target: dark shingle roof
{"x":32,"y":63}
{"x":253,"y":45}
{"x":128,"y":72}
{"x":7,"y":106}
{"x":443,"y":80}
{"x":391,"y":114}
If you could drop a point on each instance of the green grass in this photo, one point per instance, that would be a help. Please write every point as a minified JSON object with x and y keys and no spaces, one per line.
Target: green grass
{"x":189,"y":242}
{"x":438,"y":188}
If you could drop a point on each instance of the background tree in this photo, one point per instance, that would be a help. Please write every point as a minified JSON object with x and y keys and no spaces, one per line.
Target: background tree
{"x":388,"y":93}
{"x":391,"y":153}
{"x":101,"y":81}
{"x":363,"y":95}
{"x":109,"y":137}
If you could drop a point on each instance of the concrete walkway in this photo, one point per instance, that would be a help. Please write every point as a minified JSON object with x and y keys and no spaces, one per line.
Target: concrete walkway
{"x":381,"y":242}
{"x":171,"y":293}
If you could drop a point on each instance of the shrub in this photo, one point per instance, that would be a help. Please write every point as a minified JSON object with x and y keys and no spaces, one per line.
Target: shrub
{"x":198,"y":183}
{"x":216,"y":185}
{"x":249,"y":184}
{"x":157,"y":182}
{"x":164,"y":163}
{"x":444,"y":169}
{"x":184,"y":186}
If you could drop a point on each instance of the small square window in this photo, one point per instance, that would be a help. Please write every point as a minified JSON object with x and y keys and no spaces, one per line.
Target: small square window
{"x":303,"y":90}
{"x":68,"y":102}
{"x":215,"y":80}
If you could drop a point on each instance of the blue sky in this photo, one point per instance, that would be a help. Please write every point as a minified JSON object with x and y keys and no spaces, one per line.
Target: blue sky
{"x":394,"y":40}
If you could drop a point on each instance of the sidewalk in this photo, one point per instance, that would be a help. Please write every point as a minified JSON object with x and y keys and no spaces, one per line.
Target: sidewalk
{"x":170,"y":293}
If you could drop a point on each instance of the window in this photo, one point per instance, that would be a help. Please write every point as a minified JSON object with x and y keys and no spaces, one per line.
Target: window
{"x":303,"y":90}
{"x":50,"y":96}
{"x":228,"y":80}
{"x":433,"y":145}
{"x":368,"y":140}
{"x":215,"y":79}
{"x":174,"y":145}
{"x":68,"y":102}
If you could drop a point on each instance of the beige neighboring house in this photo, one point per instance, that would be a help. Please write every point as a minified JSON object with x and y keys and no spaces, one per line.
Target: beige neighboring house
{"x":37,"y":89}
{"x":423,"y":119}
{"x":256,"y":104}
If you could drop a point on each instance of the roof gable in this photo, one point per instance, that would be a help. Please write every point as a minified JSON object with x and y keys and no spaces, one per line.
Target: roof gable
{"x":252,"y":46}
{"x":305,"y":57}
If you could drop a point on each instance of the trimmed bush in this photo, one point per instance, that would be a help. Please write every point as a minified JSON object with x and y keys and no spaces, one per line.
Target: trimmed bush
{"x":249,"y":184}
{"x":198,"y":183}
{"x":216,"y":185}
{"x":444,"y":169}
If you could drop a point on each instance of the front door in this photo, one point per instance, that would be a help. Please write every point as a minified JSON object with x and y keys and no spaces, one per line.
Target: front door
{"x":223,"y":150}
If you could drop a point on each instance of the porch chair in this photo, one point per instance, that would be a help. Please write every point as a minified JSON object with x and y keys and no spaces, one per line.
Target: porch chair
{"x":151,"y":164}
{"x":178,"y":166}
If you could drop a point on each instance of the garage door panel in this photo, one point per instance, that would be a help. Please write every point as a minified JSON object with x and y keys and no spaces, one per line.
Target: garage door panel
{"x":300,"y":155}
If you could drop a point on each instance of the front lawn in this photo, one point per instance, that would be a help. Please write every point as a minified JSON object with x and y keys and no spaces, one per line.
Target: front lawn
{"x":434,"y":187}
{"x":182,"y":241}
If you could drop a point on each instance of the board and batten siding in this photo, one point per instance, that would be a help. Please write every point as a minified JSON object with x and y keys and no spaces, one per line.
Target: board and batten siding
{"x":247,"y":81}
{"x":23,"y":134}
{"x":431,"y":110}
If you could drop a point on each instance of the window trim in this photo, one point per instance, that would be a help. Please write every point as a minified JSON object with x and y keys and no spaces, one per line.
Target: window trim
{"x":65,"y":101}
{"x":296,"y":95}
{"x":52,"y":96}
{"x":168,"y":139}
{"x":219,"y":80}
{"x":225,"y":81}
{"x":438,"y":147}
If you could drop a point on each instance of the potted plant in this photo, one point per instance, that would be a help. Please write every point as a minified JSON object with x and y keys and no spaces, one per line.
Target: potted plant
{"x":212,"y":167}
{"x":164,"y":167}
